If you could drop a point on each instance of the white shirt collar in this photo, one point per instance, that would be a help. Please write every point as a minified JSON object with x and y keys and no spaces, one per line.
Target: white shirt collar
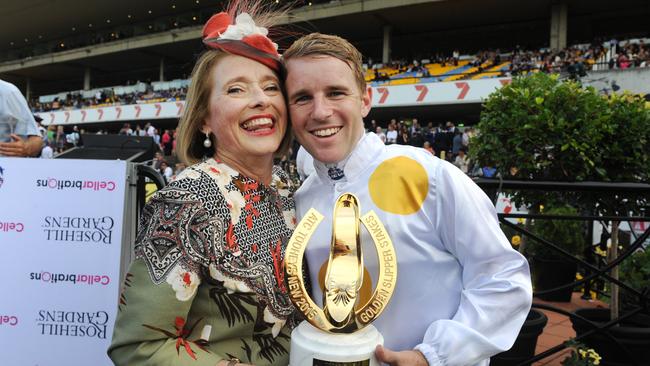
{"x":366,"y":151}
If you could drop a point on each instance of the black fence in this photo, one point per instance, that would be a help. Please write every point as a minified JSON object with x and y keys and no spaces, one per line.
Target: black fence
{"x":602,"y":333}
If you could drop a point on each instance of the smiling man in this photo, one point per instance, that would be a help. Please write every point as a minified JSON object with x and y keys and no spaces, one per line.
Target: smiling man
{"x":462,"y":292}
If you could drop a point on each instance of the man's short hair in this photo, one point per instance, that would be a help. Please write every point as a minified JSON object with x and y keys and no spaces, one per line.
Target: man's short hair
{"x":318,"y":44}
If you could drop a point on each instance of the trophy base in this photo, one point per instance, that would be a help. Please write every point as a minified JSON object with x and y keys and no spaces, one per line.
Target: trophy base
{"x":313,"y":347}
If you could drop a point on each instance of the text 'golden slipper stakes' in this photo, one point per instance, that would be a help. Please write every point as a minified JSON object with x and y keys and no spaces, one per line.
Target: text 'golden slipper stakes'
{"x":340,"y":334}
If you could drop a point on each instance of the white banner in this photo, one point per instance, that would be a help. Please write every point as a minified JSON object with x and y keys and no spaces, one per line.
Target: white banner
{"x":131,"y":112}
{"x":60,"y":238}
{"x":455,"y":92}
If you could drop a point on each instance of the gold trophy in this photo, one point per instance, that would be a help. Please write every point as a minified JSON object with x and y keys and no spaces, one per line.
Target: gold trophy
{"x":340,"y":334}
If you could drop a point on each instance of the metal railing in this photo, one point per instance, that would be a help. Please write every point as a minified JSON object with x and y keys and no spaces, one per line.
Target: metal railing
{"x":494,"y":187}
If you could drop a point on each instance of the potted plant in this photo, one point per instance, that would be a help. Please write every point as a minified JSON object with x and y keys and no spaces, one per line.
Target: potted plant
{"x":551,"y":269}
{"x":580,"y":355}
{"x":632,"y":333}
{"x":526,"y":342}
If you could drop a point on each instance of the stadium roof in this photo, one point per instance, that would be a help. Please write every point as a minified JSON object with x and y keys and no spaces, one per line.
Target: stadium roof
{"x":31,"y":19}
{"x":417,"y":26}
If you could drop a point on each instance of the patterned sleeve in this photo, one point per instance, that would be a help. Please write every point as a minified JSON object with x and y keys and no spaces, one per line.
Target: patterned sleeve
{"x":285,"y":189}
{"x":172,"y":246}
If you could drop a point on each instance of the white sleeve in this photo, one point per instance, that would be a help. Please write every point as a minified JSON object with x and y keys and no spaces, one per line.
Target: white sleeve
{"x":497,"y":291}
{"x":16,"y":105}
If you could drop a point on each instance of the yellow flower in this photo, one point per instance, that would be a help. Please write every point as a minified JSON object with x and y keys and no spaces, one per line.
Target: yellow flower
{"x":594,"y":356}
{"x":600,"y":252}
{"x":516,"y":240}
{"x":583,"y":353}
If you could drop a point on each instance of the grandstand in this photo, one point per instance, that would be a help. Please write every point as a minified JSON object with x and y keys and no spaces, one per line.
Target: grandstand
{"x":125,"y":52}
{"x":123,"y":66}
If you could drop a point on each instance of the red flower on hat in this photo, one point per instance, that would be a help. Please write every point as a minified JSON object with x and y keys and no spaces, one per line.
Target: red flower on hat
{"x":216,"y":25}
{"x":242,"y":38}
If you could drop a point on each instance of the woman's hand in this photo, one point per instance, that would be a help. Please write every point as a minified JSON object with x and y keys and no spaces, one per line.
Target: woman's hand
{"x":402,"y":358}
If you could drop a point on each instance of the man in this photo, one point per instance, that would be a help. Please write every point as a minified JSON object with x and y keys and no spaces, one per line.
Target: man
{"x":440,"y":142}
{"x":462,"y":293}
{"x":380,"y":133}
{"x":74,"y":137}
{"x":391,"y":135}
{"x":151,"y":130}
{"x":19,"y":135}
{"x":47,"y":152}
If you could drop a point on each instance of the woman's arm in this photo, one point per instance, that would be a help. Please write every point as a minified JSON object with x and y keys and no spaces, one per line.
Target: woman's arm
{"x":155,"y":325}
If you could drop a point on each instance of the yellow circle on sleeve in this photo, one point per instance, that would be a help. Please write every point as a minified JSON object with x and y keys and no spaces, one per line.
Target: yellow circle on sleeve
{"x":399,"y":185}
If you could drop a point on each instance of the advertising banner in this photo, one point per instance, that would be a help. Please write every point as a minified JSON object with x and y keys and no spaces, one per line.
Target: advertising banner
{"x":454,"y":92}
{"x":60,"y":236}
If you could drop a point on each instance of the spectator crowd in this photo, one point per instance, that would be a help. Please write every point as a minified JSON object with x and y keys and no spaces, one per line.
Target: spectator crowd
{"x":107,"y":97}
{"x":574,"y":61}
{"x":445,"y":141}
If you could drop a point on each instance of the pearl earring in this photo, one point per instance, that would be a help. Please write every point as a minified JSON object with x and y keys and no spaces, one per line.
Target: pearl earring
{"x":207,"y":142}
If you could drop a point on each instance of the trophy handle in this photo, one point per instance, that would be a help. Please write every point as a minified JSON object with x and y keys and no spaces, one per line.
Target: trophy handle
{"x":387,"y":259}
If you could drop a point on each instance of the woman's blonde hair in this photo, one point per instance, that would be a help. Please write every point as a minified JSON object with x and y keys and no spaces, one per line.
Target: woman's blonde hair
{"x":189,"y":141}
{"x":190,"y":137}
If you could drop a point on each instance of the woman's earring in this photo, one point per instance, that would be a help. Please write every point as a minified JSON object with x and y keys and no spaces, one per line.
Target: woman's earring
{"x":207,"y":142}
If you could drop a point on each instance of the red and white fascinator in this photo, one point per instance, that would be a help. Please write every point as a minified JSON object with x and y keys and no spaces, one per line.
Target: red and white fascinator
{"x":242,"y":38}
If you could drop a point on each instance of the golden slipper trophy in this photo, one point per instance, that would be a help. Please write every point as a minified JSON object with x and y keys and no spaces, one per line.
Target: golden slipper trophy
{"x":340,"y":334}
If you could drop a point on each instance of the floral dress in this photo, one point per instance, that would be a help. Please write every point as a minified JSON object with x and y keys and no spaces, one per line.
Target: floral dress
{"x":207,"y":283}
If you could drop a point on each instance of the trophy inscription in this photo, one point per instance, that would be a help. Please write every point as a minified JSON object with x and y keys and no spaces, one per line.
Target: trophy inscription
{"x":341,"y":313}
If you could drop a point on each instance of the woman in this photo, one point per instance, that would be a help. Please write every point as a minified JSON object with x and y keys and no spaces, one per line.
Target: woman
{"x":207,"y":286}
{"x":60,"y":139}
{"x":403,"y":137}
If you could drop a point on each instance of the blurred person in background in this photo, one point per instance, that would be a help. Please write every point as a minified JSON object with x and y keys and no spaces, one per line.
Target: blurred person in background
{"x":166,"y":142}
{"x":51,"y":134}
{"x":73,"y":137}
{"x":461,"y":160}
{"x":19,"y":134}
{"x":403,"y":137}
{"x":427,"y":146}
{"x":60,"y":139}
{"x":391,"y":135}
{"x":457,"y":143}
{"x":166,"y":171}
{"x":47,"y":152}
{"x":380,"y":133}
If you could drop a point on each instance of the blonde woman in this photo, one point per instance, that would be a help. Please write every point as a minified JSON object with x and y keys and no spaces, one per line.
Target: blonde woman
{"x":207,"y":287}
